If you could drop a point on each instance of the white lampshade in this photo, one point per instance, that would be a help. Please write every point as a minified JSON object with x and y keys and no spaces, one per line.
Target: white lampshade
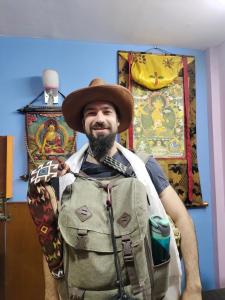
{"x":50,"y":79}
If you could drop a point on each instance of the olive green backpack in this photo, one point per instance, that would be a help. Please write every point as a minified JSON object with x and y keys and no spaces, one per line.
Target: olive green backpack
{"x":107,"y":244}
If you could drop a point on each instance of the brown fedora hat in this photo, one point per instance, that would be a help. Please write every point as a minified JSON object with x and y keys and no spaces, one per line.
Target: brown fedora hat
{"x":118,"y":96}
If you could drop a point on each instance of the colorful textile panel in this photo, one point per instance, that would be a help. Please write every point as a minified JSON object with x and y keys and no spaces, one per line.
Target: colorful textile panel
{"x":48,"y":137}
{"x":164,"y":122}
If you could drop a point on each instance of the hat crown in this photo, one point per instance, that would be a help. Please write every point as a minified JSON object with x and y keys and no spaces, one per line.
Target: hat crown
{"x":97,"y":90}
{"x":96,"y":82}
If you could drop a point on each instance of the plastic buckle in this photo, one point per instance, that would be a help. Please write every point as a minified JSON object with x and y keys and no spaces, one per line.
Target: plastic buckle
{"x":127,"y":249}
{"x":81,"y":238}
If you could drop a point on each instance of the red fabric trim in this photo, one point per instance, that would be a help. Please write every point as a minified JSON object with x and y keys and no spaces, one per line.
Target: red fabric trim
{"x":187,"y":130}
{"x":130,"y":130}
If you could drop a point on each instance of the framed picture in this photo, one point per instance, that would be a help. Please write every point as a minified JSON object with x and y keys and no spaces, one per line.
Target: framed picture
{"x":48,"y":137}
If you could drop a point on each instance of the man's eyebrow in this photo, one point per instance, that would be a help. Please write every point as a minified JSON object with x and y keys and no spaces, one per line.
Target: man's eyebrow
{"x":102,"y":107}
{"x":107,"y":107}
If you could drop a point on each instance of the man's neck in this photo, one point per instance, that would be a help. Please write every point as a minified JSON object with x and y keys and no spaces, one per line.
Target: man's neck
{"x":113,"y":150}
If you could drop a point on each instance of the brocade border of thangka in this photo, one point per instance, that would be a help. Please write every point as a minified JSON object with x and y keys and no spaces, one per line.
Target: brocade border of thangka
{"x":48,"y":137}
{"x":174,"y":168}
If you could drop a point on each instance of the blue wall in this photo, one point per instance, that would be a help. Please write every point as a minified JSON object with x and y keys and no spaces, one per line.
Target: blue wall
{"x":22,"y":61}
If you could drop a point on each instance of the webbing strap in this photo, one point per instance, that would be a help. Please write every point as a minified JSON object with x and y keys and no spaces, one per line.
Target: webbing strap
{"x":115,"y":164}
{"x":121,"y":291}
{"x":130,"y":265}
{"x":127,"y":171}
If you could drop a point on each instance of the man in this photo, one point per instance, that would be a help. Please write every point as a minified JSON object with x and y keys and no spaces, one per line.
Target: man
{"x":101,"y":111}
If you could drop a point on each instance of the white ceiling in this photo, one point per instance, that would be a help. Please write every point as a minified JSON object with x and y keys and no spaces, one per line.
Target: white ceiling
{"x":197,"y":24}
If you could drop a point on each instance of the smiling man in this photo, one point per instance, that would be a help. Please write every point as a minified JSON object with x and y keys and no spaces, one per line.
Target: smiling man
{"x":101,"y":124}
{"x":83,"y":266}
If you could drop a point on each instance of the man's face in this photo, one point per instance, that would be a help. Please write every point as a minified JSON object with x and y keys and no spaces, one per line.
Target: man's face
{"x":100,"y":119}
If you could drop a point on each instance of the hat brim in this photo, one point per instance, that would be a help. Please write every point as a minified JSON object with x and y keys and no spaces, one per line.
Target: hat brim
{"x":120,"y":97}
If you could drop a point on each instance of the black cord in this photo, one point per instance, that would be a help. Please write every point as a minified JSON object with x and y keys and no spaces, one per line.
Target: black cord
{"x":121,"y":292}
{"x":116,"y":258}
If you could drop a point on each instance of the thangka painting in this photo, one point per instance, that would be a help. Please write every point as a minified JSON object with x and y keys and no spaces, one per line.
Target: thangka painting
{"x":158,"y":115}
{"x":48,"y":137}
{"x":164,"y":125}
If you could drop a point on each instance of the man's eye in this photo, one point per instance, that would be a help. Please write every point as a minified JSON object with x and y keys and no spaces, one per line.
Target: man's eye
{"x":107,"y":112}
{"x":90,"y":113}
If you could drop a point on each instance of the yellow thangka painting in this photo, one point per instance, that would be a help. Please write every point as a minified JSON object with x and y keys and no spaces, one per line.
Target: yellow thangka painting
{"x":158,"y":126}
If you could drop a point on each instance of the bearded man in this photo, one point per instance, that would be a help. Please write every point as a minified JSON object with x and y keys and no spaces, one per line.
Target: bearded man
{"x":101,"y":111}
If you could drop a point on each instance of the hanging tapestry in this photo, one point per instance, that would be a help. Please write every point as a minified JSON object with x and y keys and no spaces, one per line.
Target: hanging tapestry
{"x":164,"y":125}
{"x":48,"y":137}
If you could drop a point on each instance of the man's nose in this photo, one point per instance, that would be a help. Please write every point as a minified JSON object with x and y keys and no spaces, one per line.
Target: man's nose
{"x":99,"y":117}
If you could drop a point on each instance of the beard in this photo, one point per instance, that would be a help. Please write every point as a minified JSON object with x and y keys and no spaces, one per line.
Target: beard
{"x":101,"y":145}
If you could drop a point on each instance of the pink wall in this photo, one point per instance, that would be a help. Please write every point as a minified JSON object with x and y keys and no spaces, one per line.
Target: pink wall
{"x":216,"y":86}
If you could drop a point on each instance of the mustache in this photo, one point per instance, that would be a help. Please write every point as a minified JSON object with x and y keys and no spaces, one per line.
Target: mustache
{"x":99,"y":125}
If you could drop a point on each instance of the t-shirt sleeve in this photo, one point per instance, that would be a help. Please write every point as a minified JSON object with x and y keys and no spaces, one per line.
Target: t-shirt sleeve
{"x":157,"y":175}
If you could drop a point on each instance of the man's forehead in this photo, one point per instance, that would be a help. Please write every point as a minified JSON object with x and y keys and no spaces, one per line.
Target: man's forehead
{"x":99,"y":104}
